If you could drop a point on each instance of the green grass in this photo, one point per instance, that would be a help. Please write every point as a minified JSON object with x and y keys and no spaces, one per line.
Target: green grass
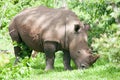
{"x":106,"y":72}
{"x":35,"y":71}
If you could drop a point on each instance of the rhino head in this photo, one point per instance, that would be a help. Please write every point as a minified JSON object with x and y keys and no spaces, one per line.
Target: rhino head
{"x":79,"y":49}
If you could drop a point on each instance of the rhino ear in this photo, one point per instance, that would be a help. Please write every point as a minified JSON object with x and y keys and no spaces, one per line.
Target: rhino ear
{"x":93,"y":58}
{"x":76,"y":27}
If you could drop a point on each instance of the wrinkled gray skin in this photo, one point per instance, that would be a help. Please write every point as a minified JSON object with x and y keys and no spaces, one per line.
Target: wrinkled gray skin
{"x":48,"y":30}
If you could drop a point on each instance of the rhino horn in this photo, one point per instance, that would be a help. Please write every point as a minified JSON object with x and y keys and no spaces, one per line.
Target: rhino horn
{"x":93,"y":58}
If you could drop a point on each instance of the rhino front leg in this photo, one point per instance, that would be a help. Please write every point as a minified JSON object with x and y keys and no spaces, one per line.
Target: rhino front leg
{"x":50,"y":49}
{"x":66,"y":60}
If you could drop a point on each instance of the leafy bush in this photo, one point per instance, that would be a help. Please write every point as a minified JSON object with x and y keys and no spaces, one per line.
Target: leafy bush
{"x":108,"y":46}
{"x":10,"y":72}
{"x":9,"y":8}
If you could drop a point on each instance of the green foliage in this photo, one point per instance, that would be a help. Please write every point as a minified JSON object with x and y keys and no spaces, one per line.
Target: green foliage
{"x":108,"y":46}
{"x":9,"y":72}
{"x":9,"y":8}
{"x":25,"y":50}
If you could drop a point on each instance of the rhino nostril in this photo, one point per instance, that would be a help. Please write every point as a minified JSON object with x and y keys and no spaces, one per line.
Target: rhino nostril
{"x":78,"y":52}
{"x":83,"y":66}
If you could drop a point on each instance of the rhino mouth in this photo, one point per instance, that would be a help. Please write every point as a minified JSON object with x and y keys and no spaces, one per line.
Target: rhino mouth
{"x":82,"y":64}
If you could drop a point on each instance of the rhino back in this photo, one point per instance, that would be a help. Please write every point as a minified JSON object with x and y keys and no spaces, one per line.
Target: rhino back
{"x":36,"y":25}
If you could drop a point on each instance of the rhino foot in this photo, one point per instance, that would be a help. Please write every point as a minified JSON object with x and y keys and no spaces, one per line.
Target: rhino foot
{"x":49,"y":68}
{"x":68,"y":68}
{"x":17,"y":60}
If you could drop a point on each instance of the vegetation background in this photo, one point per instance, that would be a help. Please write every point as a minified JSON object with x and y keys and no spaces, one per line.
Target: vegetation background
{"x":104,"y":36}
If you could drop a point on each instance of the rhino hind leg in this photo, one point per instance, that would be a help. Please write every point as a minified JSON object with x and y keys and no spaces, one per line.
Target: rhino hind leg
{"x":66,"y":60}
{"x":50,"y":49}
{"x":16,"y":52}
{"x":17,"y":41}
